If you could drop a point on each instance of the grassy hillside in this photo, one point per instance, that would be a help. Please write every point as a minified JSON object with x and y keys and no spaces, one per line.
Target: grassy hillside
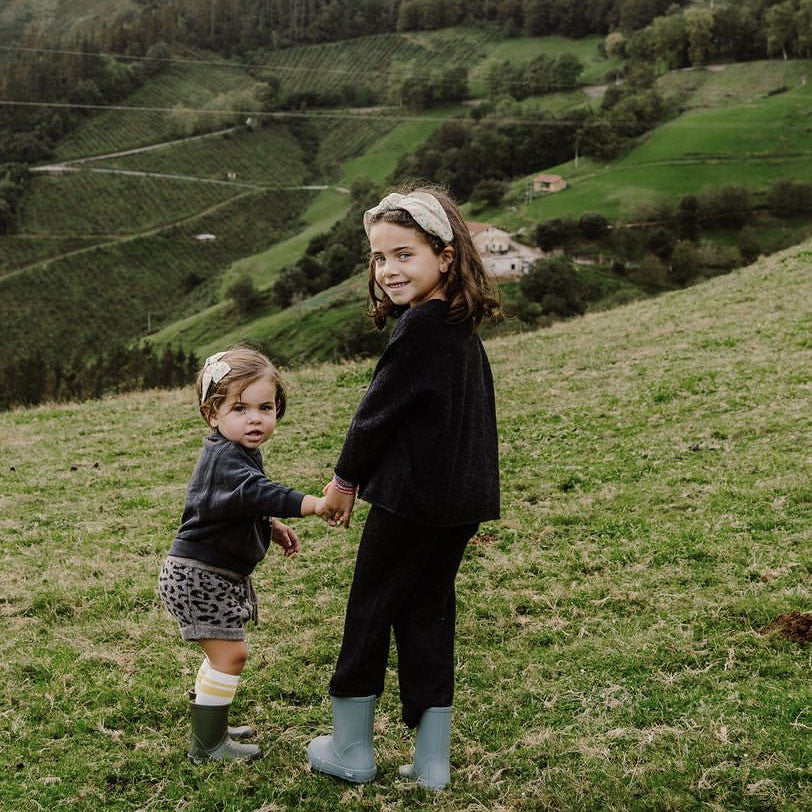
{"x":80,"y":228}
{"x":733,"y":130}
{"x":611,"y":647}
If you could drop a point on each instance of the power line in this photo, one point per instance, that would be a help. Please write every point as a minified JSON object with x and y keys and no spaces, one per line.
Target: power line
{"x":362,"y":114}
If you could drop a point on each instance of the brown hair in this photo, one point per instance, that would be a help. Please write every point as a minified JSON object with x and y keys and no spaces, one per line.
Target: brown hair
{"x":470,"y":292}
{"x":247,"y":365}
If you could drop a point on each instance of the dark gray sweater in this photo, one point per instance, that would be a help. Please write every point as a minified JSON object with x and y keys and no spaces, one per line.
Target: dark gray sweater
{"x":229,"y":500}
{"x":423,"y":442}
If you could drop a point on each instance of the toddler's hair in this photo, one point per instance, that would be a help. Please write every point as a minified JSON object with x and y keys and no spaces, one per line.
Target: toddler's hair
{"x":470,"y":292}
{"x":246,"y":366}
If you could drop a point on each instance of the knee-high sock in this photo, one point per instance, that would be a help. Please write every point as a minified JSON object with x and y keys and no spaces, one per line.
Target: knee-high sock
{"x":213,"y":687}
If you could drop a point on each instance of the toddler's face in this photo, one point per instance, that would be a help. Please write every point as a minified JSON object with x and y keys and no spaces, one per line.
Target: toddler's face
{"x":248,"y":417}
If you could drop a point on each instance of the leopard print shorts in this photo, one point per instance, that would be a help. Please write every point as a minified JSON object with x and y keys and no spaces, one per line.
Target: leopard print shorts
{"x":207,"y":602}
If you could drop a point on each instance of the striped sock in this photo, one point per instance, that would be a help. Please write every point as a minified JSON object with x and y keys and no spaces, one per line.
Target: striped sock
{"x":214,"y":687}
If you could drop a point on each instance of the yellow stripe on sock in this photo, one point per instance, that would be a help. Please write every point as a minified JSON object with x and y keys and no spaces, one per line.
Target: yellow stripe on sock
{"x":209,"y":686}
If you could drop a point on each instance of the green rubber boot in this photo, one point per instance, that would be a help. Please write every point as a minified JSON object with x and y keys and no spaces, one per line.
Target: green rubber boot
{"x":209,"y":739}
{"x":431,"y":761}
{"x":348,"y":752}
{"x":238,"y":732}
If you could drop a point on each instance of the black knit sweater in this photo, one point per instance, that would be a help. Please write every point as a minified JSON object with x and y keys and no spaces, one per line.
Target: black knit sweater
{"x":228,"y":501}
{"x":423,"y":441}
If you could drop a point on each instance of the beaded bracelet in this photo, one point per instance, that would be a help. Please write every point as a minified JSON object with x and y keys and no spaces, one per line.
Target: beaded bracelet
{"x":343,"y":486}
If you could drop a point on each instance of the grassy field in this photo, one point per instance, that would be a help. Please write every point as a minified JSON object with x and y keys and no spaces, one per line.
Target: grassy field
{"x":611,"y":652}
{"x":757,"y":136}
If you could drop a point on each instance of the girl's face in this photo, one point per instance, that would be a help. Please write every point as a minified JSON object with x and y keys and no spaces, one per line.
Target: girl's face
{"x":247,"y":417}
{"x":406,"y":267}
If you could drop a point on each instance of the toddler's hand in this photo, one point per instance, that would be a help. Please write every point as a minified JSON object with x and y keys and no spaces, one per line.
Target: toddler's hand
{"x":337,"y":506}
{"x":285,"y":537}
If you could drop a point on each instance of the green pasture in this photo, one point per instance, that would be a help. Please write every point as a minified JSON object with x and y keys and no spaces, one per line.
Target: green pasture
{"x":215,"y":324}
{"x":613,"y":650}
{"x":747,"y":143}
{"x":720,"y":85}
{"x":520,"y":50}
{"x":409,"y":130}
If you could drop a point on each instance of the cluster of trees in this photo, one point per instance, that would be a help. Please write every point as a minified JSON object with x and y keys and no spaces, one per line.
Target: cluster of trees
{"x":660,"y":250}
{"x":700,"y":34}
{"x":239,"y":26}
{"x":497,"y":143}
{"x":331,"y":256}
{"x":27,"y":381}
{"x":27,"y":134}
{"x":543,"y":74}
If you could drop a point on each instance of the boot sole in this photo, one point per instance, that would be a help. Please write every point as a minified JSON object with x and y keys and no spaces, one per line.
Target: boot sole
{"x":339,"y":771}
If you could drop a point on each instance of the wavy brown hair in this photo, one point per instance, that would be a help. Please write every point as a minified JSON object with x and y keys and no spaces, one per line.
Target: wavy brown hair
{"x":470,"y":292}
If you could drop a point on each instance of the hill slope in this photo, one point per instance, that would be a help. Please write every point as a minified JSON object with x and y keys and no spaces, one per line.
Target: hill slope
{"x":610,"y":653}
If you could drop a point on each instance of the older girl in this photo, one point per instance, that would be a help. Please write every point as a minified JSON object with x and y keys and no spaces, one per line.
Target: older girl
{"x":422,"y":449}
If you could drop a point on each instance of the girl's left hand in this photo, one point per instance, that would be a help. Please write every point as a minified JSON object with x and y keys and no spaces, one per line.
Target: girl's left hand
{"x":285,"y":537}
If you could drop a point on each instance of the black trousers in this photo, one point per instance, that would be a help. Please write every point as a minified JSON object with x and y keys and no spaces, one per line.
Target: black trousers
{"x":404,"y":580}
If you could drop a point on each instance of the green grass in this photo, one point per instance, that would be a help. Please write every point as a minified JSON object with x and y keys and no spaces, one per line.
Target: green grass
{"x":655,"y":518}
{"x":212,"y":325}
{"x":752,"y":142}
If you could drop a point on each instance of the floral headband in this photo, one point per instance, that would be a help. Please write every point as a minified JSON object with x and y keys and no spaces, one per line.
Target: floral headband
{"x":424,"y":208}
{"x":214,"y":370}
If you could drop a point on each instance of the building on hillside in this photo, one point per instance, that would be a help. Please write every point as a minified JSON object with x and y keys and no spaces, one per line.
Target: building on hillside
{"x":549,"y":183}
{"x":502,"y":256}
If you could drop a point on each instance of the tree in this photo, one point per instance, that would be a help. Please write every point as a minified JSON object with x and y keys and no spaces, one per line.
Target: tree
{"x":684,"y":262}
{"x":780,"y":28}
{"x":593,"y":225}
{"x":554,"y":284}
{"x":688,"y":217}
{"x":787,"y":198}
{"x":488,"y":192}
{"x":244,"y":294}
{"x":729,"y":206}
{"x":699,"y":28}
{"x":615,"y":44}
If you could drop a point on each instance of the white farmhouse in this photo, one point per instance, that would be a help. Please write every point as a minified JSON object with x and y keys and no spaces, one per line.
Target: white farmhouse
{"x":501,"y":255}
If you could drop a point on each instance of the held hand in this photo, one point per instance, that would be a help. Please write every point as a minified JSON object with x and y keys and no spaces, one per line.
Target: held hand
{"x":285,"y":537}
{"x":337,"y":506}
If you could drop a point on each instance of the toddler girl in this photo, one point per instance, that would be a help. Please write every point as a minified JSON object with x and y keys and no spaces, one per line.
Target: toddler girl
{"x":225,"y":531}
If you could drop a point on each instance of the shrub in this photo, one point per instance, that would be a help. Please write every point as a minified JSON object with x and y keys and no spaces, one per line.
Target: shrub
{"x":593,"y":225}
{"x":787,"y":198}
{"x":244,"y":294}
{"x":554,"y":284}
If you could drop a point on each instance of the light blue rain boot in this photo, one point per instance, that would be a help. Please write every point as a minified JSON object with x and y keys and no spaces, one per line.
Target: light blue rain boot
{"x":431,"y":766}
{"x":348,"y":753}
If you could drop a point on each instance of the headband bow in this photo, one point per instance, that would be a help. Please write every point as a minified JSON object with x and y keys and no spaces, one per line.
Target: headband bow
{"x":425,"y":209}
{"x":214,"y":370}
